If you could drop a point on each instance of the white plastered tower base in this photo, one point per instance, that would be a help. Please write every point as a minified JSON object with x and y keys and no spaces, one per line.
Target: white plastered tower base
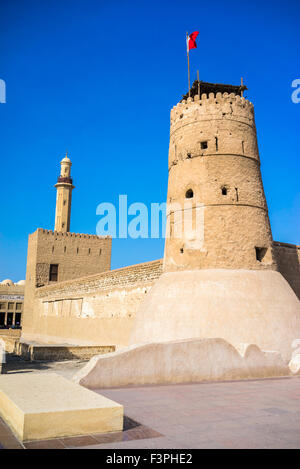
{"x":240,"y":306}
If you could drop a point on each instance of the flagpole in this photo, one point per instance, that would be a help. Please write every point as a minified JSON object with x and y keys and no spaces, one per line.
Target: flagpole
{"x":188,"y":59}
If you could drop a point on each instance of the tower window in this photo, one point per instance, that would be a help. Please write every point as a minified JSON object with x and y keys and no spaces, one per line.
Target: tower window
{"x":89,"y":251}
{"x":77,"y":250}
{"x":65,"y":249}
{"x":204,"y":145}
{"x":224,"y":191}
{"x":189,"y":194}
{"x":53,"y":273}
{"x":260,"y":253}
{"x":100,"y":251}
{"x":189,"y":155}
{"x":181,"y":250}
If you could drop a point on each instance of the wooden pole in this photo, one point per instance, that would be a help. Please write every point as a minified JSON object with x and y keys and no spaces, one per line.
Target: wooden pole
{"x":198,"y":84}
{"x":188,"y":59}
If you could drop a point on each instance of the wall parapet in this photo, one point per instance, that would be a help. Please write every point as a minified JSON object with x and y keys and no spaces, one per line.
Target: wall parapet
{"x":70,"y":235}
{"x":286,"y":245}
{"x":229,"y":104}
{"x":122,"y":277}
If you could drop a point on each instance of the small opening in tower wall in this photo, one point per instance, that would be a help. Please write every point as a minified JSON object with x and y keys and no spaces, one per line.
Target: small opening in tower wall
{"x":189,"y":194}
{"x":189,"y":155}
{"x":53,"y":272}
{"x":260,"y":253}
{"x":204,"y":145}
{"x":181,"y":250}
{"x":224,"y":190}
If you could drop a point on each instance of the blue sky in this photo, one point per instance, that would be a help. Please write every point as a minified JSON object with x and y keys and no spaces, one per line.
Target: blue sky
{"x":99,"y":78}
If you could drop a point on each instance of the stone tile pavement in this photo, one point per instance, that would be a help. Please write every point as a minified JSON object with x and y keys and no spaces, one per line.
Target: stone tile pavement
{"x":262,"y":413}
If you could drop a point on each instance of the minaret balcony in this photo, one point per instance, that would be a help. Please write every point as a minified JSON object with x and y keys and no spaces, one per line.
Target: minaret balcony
{"x":67,"y":180}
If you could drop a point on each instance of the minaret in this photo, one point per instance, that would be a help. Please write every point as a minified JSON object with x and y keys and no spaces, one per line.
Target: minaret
{"x":64,"y":188}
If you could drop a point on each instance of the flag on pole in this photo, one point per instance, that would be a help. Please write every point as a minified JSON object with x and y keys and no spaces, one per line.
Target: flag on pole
{"x":191,"y":41}
{"x":190,"y":44}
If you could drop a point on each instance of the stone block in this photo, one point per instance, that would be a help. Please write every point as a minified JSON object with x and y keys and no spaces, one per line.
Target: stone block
{"x":45,"y":405}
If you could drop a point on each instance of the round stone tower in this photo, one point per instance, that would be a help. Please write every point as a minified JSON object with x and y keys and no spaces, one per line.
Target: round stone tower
{"x":220,"y":275}
{"x":215,"y":183}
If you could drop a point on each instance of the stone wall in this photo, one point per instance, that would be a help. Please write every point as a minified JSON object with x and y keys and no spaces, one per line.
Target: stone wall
{"x":288,"y":260}
{"x":75,"y":255}
{"x":97,"y":309}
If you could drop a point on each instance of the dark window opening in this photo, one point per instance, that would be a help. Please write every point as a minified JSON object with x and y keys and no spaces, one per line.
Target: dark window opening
{"x":181,"y":250}
{"x":53,"y":274}
{"x":204,"y":145}
{"x":77,"y":250}
{"x":189,"y":194}
{"x":181,"y":116}
{"x":10,"y":319}
{"x":52,"y":249}
{"x":18,"y":319}
{"x":260,"y":253}
{"x":237,"y":194}
{"x":2,"y":319}
{"x":18,"y":306}
{"x":224,"y":191}
{"x":89,"y":250}
{"x":243,"y":149}
{"x":217,"y":145}
{"x":100,"y":251}
{"x":65,"y":249}
{"x":189,"y":155}
{"x":2,"y":305}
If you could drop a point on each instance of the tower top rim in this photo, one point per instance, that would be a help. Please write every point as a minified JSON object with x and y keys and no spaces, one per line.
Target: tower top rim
{"x":200,"y":87}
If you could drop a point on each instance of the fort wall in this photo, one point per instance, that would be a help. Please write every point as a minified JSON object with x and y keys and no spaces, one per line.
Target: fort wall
{"x":54,"y":257}
{"x":94,"y":310}
{"x":288,"y":260}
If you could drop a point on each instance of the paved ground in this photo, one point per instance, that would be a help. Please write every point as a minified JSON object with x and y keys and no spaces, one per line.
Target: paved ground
{"x":263,"y":413}
{"x":244,"y":414}
{"x":65,"y":368}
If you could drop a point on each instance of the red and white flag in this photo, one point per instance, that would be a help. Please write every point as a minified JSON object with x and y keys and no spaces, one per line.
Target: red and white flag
{"x":191,"y":41}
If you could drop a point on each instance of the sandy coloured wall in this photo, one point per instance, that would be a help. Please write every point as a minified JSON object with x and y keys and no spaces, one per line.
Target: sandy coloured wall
{"x":288,"y":260}
{"x":98,"y":309}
